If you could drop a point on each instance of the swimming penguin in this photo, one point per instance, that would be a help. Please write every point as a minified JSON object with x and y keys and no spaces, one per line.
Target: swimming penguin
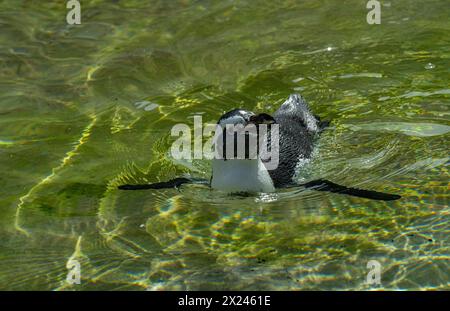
{"x":297,"y":130}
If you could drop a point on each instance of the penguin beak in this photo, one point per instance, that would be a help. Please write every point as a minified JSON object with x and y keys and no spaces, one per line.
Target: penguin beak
{"x":262,"y":118}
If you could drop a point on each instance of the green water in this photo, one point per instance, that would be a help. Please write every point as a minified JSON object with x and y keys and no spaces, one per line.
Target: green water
{"x":85,"y":108}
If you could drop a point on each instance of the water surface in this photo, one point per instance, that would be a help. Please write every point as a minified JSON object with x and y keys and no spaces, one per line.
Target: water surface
{"x":85,"y":108}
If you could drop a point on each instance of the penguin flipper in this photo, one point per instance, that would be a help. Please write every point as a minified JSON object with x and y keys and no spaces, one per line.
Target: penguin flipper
{"x":173,"y":183}
{"x":326,"y":185}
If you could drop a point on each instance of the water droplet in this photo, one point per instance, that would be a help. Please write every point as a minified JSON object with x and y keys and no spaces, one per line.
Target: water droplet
{"x":430,"y":66}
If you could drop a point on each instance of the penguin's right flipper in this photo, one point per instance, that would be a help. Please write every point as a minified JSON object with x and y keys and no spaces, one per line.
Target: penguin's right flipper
{"x":173,"y":183}
{"x":326,"y":185}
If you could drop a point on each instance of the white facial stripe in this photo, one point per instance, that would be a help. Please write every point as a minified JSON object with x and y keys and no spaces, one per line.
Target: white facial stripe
{"x":237,"y":118}
{"x":233,"y":120}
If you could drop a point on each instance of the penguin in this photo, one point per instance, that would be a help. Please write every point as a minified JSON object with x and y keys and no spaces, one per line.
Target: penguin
{"x":297,"y":131}
{"x":246,"y":174}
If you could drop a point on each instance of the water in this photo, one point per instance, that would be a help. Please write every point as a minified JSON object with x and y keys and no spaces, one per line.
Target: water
{"x":85,"y":108}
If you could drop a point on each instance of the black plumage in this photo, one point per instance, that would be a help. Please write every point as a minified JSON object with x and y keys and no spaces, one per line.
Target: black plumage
{"x":298,"y":128}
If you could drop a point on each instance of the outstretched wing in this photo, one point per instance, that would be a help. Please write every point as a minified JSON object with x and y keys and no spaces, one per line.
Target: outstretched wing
{"x":173,"y":183}
{"x":326,"y":185}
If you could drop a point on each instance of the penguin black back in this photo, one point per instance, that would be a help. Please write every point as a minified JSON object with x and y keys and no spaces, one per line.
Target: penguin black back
{"x":297,"y":130}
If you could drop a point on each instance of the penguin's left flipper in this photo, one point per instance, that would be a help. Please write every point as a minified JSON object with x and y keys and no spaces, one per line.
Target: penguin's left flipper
{"x":326,"y":185}
{"x":173,"y":183}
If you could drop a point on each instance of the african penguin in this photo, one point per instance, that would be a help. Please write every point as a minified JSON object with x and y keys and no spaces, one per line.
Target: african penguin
{"x":297,"y":130}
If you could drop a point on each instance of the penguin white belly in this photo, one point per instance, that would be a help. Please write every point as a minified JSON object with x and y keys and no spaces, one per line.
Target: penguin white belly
{"x":236,"y":175}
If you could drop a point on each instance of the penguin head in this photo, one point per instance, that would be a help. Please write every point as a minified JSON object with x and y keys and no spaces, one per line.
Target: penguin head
{"x":235,"y":116}
{"x":244,"y":123}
